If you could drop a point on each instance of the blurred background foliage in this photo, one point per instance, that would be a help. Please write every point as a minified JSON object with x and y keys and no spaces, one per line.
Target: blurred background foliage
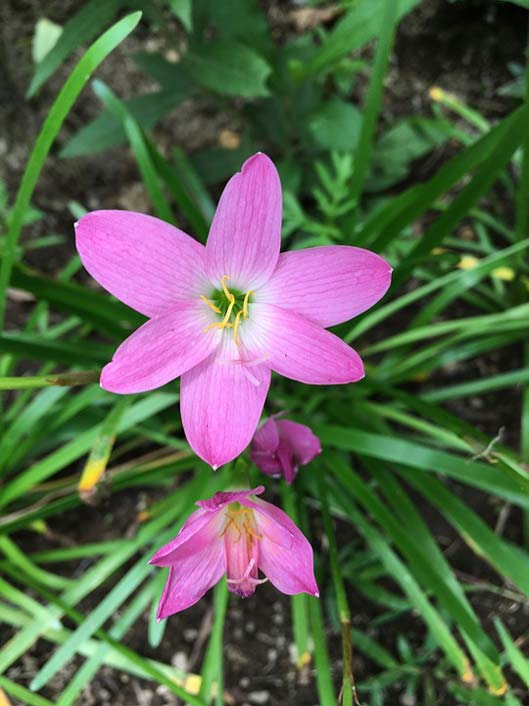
{"x":418,"y":508}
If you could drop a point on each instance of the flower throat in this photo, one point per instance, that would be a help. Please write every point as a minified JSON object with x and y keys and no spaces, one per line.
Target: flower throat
{"x":230,"y":305}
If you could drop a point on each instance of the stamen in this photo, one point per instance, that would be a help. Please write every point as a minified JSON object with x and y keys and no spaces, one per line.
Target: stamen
{"x":245,"y":302}
{"x":231,"y":521}
{"x":228,"y":311}
{"x":236,"y":327}
{"x":249,"y":530}
{"x":226,"y":323}
{"x":211,"y":305}
{"x":229,"y":295}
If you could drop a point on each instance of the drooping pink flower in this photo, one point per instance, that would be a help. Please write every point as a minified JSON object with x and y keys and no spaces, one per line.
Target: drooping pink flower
{"x":224,"y":315}
{"x":281,"y":446}
{"x":237,"y":534}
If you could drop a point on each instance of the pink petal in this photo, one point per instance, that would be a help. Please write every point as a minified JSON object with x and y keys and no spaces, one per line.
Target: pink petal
{"x":221,"y":402}
{"x":285,"y":555}
{"x":161,"y":350}
{"x":267,"y":436}
{"x":245,"y":235}
{"x":242,"y":554}
{"x":196,"y":566}
{"x":328,"y":284}
{"x":304,"y":444}
{"x":146,"y":263}
{"x":194,"y":524}
{"x":224,"y":497}
{"x":288,"y":463}
{"x":263,"y":451}
{"x":301,"y":350}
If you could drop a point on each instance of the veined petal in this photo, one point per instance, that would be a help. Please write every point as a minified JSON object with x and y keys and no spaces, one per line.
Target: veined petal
{"x":303,"y":443}
{"x":301,"y":350}
{"x":161,"y":350}
{"x":285,"y":555}
{"x":245,"y":235}
{"x":267,"y":436}
{"x":200,"y":523}
{"x":224,"y":497}
{"x":328,"y":284}
{"x":263,"y":451}
{"x":221,"y":402}
{"x":242,"y":552}
{"x":196,"y":566}
{"x":146,"y":263}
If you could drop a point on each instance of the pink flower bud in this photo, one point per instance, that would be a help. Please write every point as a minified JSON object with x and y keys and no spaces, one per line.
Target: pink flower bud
{"x":280,"y":447}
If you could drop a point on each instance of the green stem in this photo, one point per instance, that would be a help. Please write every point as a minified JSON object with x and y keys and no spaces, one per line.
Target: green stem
{"x":72,"y":379}
{"x":212,"y":665}
{"x":348,"y":694}
{"x":299,"y":604}
{"x":324,"y":682}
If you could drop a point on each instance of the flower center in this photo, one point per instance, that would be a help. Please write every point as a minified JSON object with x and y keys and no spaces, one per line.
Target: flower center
{"x":240,"y":521}
{"x":231,"y":307}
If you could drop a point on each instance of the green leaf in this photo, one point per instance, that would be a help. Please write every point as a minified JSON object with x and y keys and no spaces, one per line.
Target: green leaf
{"x":80,"y":445}
{"x":404,"y":577}
{"x":417,"y":555}
{"x":336,"y":126}
{"x":358,"y":26}
{"x":81,"y":28}
{"x":409,"y":139}
{"x":30,"y":347}
{"x":514,"y":129}
{"x":518,"y":661}
{"x":497,"y":479}
{"x":387,"y":223}
{"x":138,"y":143}
{"x":105,"y":131}
{"x":228,"y":67}
{"x":45,"y":38}
{"x":508,"y":560}
{"x":183,"y":10}
{"x":56,"y":116}
{"x":388,"y":21}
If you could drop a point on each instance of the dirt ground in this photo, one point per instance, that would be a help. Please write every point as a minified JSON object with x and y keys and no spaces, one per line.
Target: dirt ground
{"x":432,"y":48}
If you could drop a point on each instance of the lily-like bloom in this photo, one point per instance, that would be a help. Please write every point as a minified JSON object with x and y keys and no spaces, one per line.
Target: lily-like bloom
{"x":224,"y":315}
{"x":281,"y":446}
{"x":236,"y":534}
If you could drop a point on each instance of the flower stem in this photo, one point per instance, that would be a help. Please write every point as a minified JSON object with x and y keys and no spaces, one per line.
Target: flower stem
{"x":71,"y":379}
{"x":348,"y":695}
{"x":213,"y":664}
{"x":324,"y":681}
{"x":299,"y":602}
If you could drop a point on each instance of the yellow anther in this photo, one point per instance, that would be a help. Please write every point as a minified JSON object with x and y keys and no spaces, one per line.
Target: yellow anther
{"x":245,"y":303}
{"x":229,"y":295}
{"x":226,"y":323}
{"x":250,"y":532}
{"x":211,"y":305}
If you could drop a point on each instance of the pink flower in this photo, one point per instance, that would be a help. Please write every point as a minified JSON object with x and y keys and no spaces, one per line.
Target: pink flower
{"x":280,"y":447}
{"x":224,"y":315}
{"x":234,"y":533}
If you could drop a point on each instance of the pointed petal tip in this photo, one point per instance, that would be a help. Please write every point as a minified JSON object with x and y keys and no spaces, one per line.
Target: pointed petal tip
{"x":257,"y":157}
